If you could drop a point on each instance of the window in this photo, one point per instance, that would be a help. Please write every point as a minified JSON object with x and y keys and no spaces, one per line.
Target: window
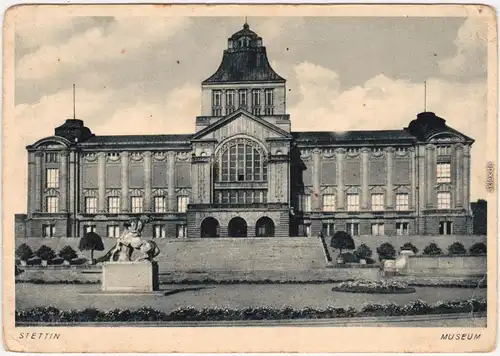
{"x":236,"y":196}
{"x":352,"y":202}
{"x":256,"y":102}
{"x":229,"y":101}
{"x":113,"y":205}
{"x":52,"y":205}
{"x":51,"y":157}
{"x":402,"y":201}
{"x":304,"y":230}
{"x":304,"y":203}
{"x":269,"y":102}
{"x":445,"y":228}
{"x":443,"y":173}
{"x":160,"y":204}
{"x":113,"y":231}
{"x":242,"y":99}
{"x":377,"y":229}
{"x":181,"y":231}
{"x":328,"y":202}
{"x":352,"y":229}
{"x":216,"y":103}
{"x":377,"y":202}
{"x":402,"y":228}
{"x":443,"y":150}
{"x":328,"y":229}
{"x":89,"y":228}
{"x":90,"y":205}
{"x":182,"y":203}
{"x":242,"y":162}
{"x":137,"y":204}
{"x":444,"y":200}
{"x":159,"y":231}
{"x":48,"y":230}
{"x":52,"y":178}
{"x":401,"y":150}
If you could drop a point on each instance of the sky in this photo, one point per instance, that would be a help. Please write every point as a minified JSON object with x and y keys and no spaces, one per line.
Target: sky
{"x":142,"y":75}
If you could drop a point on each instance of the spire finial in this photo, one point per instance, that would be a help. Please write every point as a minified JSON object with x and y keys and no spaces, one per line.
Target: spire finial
{"x":425,"y":96}
{"x":74,"y":109}
{"x":246,"y":23}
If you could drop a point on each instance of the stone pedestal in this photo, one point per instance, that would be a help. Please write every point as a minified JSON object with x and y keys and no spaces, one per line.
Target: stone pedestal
{"x":130,"y":276}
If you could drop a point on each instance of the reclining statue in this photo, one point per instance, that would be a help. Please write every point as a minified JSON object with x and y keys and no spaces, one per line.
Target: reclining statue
{"x":130,"y":241}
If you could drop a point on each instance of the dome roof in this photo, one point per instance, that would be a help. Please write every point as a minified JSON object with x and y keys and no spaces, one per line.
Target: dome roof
{"x":244,"y":32}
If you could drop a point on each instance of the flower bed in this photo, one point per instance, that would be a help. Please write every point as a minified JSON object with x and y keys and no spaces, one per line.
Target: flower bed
{"x":374,"y":287}
{"x":54,"y":315}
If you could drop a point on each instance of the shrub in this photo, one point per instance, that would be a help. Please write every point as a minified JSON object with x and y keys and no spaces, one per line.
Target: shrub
{"x":408,"y":246}
{"x":369,"y":261}
{"x":456,"y":248}
{"x":45,"y":253}
{"x":78,"y":261}
{"x":24,"y":252}
{"x":478,"y":248}
{"x":349,"y":257}
{"x":56,"y":261}
{"x":34,"y":261}
{"x":341,"y":240}
{"x":386,"y":251}
{"x":90,"y":242}
{"x":67,"y":253}
{"x":432,"y":250}
{"x":363,"y":252}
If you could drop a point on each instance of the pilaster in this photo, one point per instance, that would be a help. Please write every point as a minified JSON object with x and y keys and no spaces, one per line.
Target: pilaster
{"x":340,"y":178}
{"x":101,"y":178}
{"x":430,"y":171}
{"x":63,"y":182}
{"x":459,"y":170}
{"x":466,"y":181}
{"x":147,"y":181}
{"x":38,"y":181}
{"x":124,"y":182}
{"x":389,"y":187}
{"x":316,"y":155}
{"x":365,"y":156}
{"x":172,"y":204}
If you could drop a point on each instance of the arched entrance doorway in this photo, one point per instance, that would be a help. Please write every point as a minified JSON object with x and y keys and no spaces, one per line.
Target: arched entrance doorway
{"x":210,"y":227}
{"x":264,"y":227}
{"x":237,"y":227}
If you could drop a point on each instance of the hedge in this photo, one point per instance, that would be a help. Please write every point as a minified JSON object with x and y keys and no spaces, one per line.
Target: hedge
{"x":54,"y":315}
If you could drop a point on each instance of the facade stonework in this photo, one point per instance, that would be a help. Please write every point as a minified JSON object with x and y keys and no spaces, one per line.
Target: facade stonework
{"x":244,"y":173}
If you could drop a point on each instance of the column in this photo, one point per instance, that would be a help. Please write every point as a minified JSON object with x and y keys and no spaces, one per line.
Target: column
{"x":316,"y":156}
{"x":38,"y":181}
{"x":101,"y":178}
{"x":389,"y":187}
{"x":147,"y":181}
{"x":63,"y":182}
{"x":172,"y":204}
{"x":124,"y":182}
{"x":459,"y":169}
{"x":73,"y":190}
{"x":414,"y":178}
{"x":365,"y":152}
{"x":466,"y":181}
{"x":430,"y":170}
{"x":31,"y":183}
{"x":262,"y":106}
{"x":340,"y":178}
{"x":223,"y":102}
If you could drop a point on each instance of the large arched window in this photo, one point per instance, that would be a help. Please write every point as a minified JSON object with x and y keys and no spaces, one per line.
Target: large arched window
{"x":242,"y":160}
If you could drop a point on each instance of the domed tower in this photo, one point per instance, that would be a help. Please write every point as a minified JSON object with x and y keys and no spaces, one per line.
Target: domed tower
{"x":246,"y":81}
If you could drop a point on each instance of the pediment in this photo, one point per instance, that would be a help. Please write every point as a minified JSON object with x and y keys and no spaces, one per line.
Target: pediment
{"x":241,"y":122}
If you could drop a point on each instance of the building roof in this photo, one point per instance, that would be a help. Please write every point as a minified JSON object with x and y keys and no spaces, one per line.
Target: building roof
{"x":138,"y":139}
{"x":329,"y":137}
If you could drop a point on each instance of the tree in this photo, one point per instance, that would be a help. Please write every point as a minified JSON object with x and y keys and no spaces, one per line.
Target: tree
{"x":24,"y":253}
{"x":478,"y":248}
{"x":456,"y":248}
{"x":90,"y":242}
{"x":45,"y":253}
{"x":386,"y":251}
{"x":341,"y":240}
{"x":432,"y":250}
{"x":408,"y":246}
{"x":67,"y":253}
{"x":363,"y":252}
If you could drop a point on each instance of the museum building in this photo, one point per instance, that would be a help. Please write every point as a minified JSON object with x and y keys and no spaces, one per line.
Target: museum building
{"x":244,"y":173}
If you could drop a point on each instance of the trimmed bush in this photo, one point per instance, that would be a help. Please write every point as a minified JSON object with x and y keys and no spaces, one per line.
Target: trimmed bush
{"x":478,"y":248}
{"x":56,"y":261}
{"x":349,"y":257}
{"x":373,"y":287}
{"x":34,"y":261}
{"x":91,"y":242}
{"x":386,"y":252}
{"x":363,"y":252}
{"x":432,"y":249}
{"x":456,"y":248}
{"x":45,"y":253}
{"x":341,"y":240}
{"x":67,"y":253}
{"x":408,"y":246}
{"x":24,"y":252}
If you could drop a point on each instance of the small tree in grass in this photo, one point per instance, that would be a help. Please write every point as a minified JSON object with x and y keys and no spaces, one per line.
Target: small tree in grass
{"x":363,"y":252}
{"x":45,"y":253}
{"x":386,"y":252}
{"x":432,"y":249}
{"x":478,"y":248}
{"x":408,"y":246}
{"x":67,"y":253}
{"x":456,"y":248}
{"x":341,"y":240}
{"x":91,"y":242}
{"x":24,"y":253}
